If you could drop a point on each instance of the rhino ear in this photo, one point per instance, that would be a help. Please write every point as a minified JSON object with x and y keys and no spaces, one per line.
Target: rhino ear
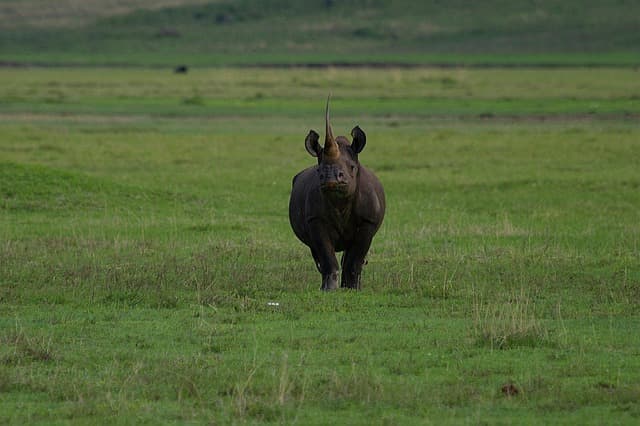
{"x":359,"y":139}
{"x":311,"y":143}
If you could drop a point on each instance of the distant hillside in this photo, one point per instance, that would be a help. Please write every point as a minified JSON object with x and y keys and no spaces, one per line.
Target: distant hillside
{"x":15,"y":14}
{"x":199,"y":32}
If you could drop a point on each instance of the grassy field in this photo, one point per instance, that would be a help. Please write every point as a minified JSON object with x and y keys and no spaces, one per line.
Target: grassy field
{"x":205,"y":33}
{"x":148,"y":273}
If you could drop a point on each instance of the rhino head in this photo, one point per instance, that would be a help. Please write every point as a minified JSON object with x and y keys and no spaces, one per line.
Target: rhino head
{"x":338,"y":163}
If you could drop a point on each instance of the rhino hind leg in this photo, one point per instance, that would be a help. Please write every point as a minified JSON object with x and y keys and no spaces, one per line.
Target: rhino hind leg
{"x":350,"y":278}
{"x":354,"y":257}
{"x":351,"y":275}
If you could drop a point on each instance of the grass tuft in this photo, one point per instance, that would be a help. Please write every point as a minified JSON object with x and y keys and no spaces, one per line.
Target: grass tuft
{"x":510,"y":323}
{"x":19,"y":348}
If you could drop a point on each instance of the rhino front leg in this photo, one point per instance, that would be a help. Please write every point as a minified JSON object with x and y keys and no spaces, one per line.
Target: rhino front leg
{"x":324,"y":256}
{"x":330,"y":281}
{"x":328,"y":269}
{"x":354,"y":257}
{"x":329,"y":277}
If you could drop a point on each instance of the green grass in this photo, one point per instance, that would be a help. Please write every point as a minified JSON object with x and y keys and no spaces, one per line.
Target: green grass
{"x":423,"y":92}
{"x":144,"y":240}
{"x":226,"y":32}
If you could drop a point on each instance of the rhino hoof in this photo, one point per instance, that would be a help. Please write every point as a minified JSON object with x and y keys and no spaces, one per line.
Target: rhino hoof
{"x":330,"y":281}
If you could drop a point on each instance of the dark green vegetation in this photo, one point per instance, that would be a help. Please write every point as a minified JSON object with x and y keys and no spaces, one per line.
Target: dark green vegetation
{"x":195,"y":32}
{"x":148,"y":273}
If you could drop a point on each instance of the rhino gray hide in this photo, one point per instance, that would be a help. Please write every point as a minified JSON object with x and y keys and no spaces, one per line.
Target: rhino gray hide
{"x":337,"y":205}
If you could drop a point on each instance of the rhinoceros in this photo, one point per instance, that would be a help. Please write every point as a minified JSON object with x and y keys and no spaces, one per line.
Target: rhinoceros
{"x":337,"y":205}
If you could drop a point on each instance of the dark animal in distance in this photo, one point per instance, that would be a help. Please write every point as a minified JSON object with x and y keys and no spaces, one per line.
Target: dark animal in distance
{"x":181,"y":69}
{"x":337,"y":205}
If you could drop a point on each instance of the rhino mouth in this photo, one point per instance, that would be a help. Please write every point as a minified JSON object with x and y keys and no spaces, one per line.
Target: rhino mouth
{"x":336,"y":189}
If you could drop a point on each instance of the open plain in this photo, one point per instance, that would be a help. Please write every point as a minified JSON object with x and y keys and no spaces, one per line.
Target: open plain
{"x":148,"y":273}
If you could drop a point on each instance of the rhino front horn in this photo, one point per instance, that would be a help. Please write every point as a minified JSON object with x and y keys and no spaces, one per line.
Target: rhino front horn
{"x":330,"y":146}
